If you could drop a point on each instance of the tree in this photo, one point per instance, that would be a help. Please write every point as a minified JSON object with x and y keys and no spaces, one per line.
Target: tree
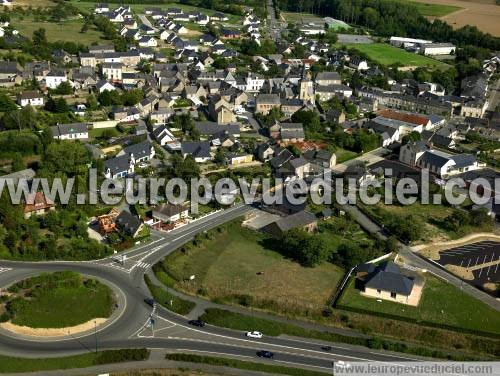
{"x":64,"y":88}
{"x":18,"y":163}
{"x":6,"y":104}
{"x":411,"y":137}
{"x":39,"y":37}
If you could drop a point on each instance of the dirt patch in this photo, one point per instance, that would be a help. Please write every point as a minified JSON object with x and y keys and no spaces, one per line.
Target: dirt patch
{"x":460,"y":272}
{"x":52,"y":332}
{"x":484,"y":14}
{"x":431,"y":250}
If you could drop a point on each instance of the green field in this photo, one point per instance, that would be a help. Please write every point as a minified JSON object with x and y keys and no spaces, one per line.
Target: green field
{"x":235,"y":266}
{"x":9,"y":364}
{"x":441,"y":303}
{"x":434,"y":10}
{"x":67,"y":31}
{"x":58,"y":300}
{"x":387,"y":55}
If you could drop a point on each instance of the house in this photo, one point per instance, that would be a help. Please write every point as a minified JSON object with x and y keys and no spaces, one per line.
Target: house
{"x":37,"y":204}
{"x":128,"y":224}
{"x":322,"y":158}
{"x":230,"y":34}
{"x":238,"y":158}
{"x":31,"y":98}
{"x":387,"y":133}
{"x":358,"y":63}
{"x":112,"y":71}
{"x":163,"y":135}
{"x":326,"y":93}
{"x":8,"y":70}
{"x":103,"y":86}
{"x":101,"y":8}
{"x":148,"y":41}
{"x":199,"y":150}
{"x":74,"y":131}
{"x":266,"y":102}
{"x":169,"y":213}
{"x":265,"y":152}
{"x":55,"y":77}
{"x":312,"y":29}
{"x":328,"y":78}
{"x":118,"y":167}
{"x":302,"y":219}
{"x":386,"y":281}
{"x":292,"y":132}
{"x":442,"y":164}
{"x":140,"y":152}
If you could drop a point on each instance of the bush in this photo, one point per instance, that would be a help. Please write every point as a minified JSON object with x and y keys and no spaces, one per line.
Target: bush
{"x":123,"y":355}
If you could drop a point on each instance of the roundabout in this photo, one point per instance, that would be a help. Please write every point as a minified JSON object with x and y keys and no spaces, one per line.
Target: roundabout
{"x":129,"y":326}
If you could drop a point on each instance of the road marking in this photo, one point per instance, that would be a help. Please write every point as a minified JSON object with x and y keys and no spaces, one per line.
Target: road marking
{"x":2,"y":270}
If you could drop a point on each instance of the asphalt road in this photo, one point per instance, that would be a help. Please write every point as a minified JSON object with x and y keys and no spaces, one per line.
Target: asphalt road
{"x":171,"y":331}
{"x":421,"y":262}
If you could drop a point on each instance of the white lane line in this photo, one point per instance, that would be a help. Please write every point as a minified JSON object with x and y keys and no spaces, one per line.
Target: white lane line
{"x":3,"y":270}
{"x":489,"y":267}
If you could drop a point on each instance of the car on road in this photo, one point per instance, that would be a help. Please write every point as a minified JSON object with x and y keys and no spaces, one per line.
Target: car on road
{"x":326,"y":348}
{"x":265,"y":354}
{"x":254,"y":334}
{"x":197,"y":323}
{"x":150,"y":302}
{"x":340,"y":364}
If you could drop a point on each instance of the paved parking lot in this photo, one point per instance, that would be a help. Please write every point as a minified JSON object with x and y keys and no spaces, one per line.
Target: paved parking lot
{"x":482,"y":259}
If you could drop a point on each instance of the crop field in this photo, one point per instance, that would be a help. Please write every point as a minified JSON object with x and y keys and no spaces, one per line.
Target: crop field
{"x":484,"y":14}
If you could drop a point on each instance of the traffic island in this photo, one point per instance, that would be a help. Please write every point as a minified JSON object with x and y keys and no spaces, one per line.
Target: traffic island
{"x":58,"y":304}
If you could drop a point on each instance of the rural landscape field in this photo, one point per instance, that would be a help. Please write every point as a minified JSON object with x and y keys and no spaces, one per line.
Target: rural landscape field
{"x":484,"y":14}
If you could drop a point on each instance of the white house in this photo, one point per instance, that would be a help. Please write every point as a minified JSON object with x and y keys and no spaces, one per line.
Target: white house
{"x":169,"y":213}
{"x":148,"y":41}
{"x":32,"y":98}
{"x":74,"y":131}
{"x":55,"y":77}
{"x":104,"y":85}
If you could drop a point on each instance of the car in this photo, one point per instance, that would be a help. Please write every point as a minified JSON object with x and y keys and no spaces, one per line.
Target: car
{"x":150,"y":302}
{"x":197,"y":323}
{"x":265,"y":354}
{"x":326,"y":348}
{"x":340,"y":364}
{"x":254,"y":334}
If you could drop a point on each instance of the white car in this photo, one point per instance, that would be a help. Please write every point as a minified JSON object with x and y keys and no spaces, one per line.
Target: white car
{"x":254,"y":334}
{"x":340,"y":364}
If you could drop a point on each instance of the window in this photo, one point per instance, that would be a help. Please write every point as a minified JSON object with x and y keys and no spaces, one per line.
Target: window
{"x":393,"y":295}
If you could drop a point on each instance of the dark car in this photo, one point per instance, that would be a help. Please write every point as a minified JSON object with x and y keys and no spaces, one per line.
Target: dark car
{"x":326,"y":348}
{"x":150,"y":302}
{"x":265,"y":354}
{"x":198,"y":323}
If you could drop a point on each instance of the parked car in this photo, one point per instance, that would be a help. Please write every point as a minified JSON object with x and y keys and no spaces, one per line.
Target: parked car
{"x":265,"y":354}
{"x":197,"y":323}
{"x":254,"y":334}
{"x":150,"y":302}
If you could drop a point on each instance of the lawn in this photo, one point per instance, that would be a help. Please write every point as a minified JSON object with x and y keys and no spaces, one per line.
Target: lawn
{"x":434,"y":10}
{"x":234,"y":266}
{"x":441,"y":303}
{"x":301,"y":17}
{"x":9,"y":364}
{"x":387,"y":55}
{"x":344,"y":155}
{"x":59,"y":300}
{"x":67,"y":31}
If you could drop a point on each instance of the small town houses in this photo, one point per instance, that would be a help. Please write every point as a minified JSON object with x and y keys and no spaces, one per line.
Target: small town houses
{"x":174,"y":70}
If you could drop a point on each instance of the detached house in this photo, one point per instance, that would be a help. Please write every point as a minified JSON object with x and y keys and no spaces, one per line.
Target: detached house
{"x":55,"y":77}
{"x":74,"y":131}
{"x":169,"y":213}
{"x":200,"y":151}
{"x":128,"y":224}
{"x":31,"y":98}
{"x":37,"y":204}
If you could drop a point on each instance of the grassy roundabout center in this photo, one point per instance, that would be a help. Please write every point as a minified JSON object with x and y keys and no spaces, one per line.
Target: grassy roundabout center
{"x":56,"y":300}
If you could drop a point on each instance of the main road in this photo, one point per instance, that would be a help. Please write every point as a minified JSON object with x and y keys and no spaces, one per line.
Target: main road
{"x":131,"y":327}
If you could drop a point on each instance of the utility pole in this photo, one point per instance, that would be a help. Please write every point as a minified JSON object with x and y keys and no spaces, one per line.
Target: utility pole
{"x":95,"y":335}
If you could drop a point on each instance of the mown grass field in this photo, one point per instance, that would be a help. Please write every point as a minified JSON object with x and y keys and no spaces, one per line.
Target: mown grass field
{"x":235,"y":266}
{"x":59,"y":300}
{"x":67,"y":31}
{"x":434,"y":10}
{"x":387,"y":55}
{"x":441,"y":303}
{"x":9,"y":364}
